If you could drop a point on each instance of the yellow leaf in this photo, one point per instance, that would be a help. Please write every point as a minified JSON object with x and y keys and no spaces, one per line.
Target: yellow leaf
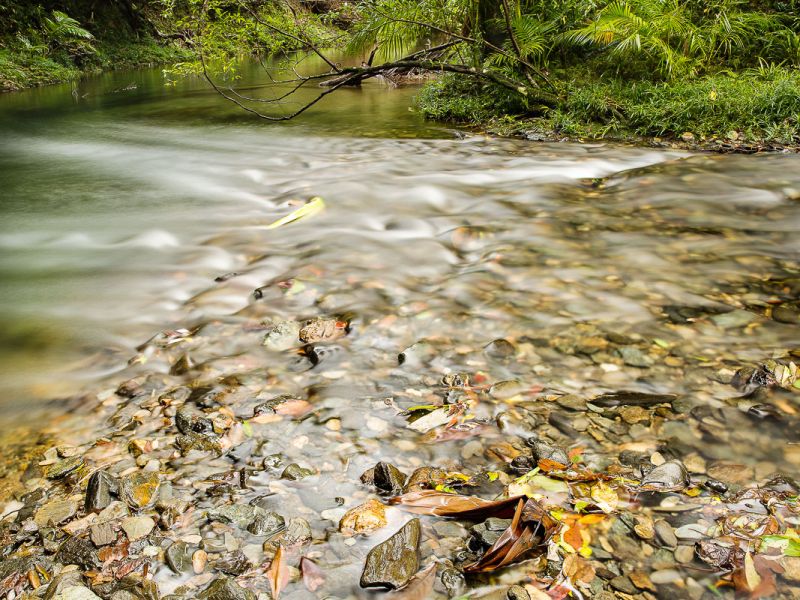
{"x":312,"y":207}
{"x":605,"y":497}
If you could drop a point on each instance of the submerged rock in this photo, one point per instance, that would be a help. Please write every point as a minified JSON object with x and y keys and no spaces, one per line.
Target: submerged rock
{"x":77,"y":551}
{"x":99,"y":491}
{"x":64,"y":467}
{"x":364,"y":518}
{"x":544,"y":451}
{"x":394,"y":562}
{"x":137,"y":527}
{"x":179,"y":558}
{"x":670,"y":475}
{"x":283,"y":336}
{"x":295,"y":472}
{"x":55,"y":512}
{"x":191,"y":420}
{"x":225,"y":588}
{"x":385,"y":477}
{"x":140,"y":489}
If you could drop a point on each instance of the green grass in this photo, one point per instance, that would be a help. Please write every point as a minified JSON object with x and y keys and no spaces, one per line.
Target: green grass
{"x":757,"y":105}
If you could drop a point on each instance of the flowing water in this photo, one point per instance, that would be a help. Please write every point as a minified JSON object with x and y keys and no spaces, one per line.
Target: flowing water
{"x":605,"y":267}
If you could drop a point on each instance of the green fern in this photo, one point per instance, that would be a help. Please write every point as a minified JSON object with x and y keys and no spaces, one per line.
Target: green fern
{"x":63,"y":28}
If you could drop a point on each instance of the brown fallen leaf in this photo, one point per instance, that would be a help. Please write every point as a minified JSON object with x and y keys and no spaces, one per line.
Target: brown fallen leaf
{"x":530,"y":527}
{"x":419,"y":587}
{"x":278,"y":574}
{"x":442,"y":504}
{"x":578,"y":569}
{"x":313,"y":576}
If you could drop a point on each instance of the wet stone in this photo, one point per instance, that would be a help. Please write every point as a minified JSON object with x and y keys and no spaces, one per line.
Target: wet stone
{"x":453,"y":582}
{"x":295,"y":472}
{"x":500,"y":349}
{"x":137,"y":527}
{"x":425,"y":478}
{"x":297,"y":533}
{"x":55,"y":512}
{"x":665,"y":533}
{"x":623,"y":584}
{"x":200,"y":442}
{"x":99,"y":491}
{"x":388,"y":478}
{"x":190,"y":420}
{"x":266,"y":523}
{"x":241,"y":515}
{"x":517,"y":592}
{"x":77,"y":551}
{"x":140,"y":489}
{"x":572,"y":402}
{"x":633,"y":357}
{"x":233,"y":564}
{"x":102,"y":534}
{"x":179,"y":558}
{"x":65,"y":467}
{"x":225,"y":588}
{"x":394,"y":562}
{"x":76,"y":592}
{"x":544,"y":451}
{"x":671,"y":474}
{"x":486,"y":534}
{"x":364,"y":518}
{"x":505,"y":390}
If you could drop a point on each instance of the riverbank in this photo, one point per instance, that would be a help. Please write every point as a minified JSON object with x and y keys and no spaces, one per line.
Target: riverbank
{"x":753,"y":111}
{"x":22,"y":68}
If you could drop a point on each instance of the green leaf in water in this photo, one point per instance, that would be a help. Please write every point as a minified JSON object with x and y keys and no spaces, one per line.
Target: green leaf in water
{"x":312,"y":207}
{"x":661,"y":343}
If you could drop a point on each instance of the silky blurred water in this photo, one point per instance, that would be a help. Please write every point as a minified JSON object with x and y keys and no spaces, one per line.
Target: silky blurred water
{"x":123,"y":198}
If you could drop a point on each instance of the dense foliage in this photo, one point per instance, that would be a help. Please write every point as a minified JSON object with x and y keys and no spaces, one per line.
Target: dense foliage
{"x":581,"y":67}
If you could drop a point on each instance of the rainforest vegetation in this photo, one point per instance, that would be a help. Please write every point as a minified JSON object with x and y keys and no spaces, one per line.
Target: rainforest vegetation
{"x":723,"y":70}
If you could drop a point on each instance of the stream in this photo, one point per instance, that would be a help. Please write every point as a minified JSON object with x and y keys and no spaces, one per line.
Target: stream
{"x":516,"y":286}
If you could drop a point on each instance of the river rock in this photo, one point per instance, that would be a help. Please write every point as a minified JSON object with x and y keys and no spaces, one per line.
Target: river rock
{"x":283,"y":336}
{"x":241,"y":515}
{"x":388,"y":478}
{"x":202,"y":442}
{"x":179,"y":558}
{"x":77,"y":551}
{"x":394,"y":562}
{"x":103,"y":534}
{"x":64,"y":467}
{"x":266,"y":523}
{"x":425,"y":478}
{"x":137,"y":527}
{"x":296,"y":534}
{"x":544,"y":451}
{"x":364,"y":518}
{"x":225,"y":588}
{"x":235,"y":563}
{"x":669,"y":475}
{"x":140,"y":489}
{"x":191,"y":420}
{"x":500,"y":349}
{"x":76,"y":592}
{"x":99,"y":490}
{"x":55,"y":512}
{"x":486,"y":534}
{"x":295,"y":472}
